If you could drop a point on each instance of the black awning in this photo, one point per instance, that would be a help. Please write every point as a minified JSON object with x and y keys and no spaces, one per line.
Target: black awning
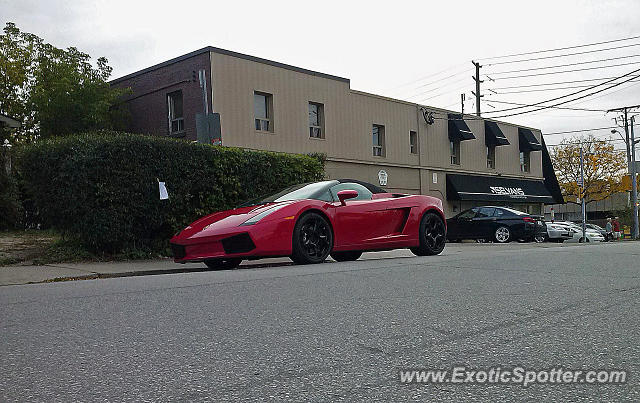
{"x":458,"y":129}
{"x":550,"y":179}
{"x":493,"y":188}
{"x":528,"y":141}
{"x":493,"y":136}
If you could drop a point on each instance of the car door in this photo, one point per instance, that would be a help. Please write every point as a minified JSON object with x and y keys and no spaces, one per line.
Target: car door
{"x":482,"y":224}
{"x":459,"y":227}
{"x":355,"y":221}
{"x":365,"y":222}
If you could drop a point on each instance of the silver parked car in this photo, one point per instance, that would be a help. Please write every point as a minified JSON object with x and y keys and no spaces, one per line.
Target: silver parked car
{"x":591,"y":234}
{"x":557,"y":232}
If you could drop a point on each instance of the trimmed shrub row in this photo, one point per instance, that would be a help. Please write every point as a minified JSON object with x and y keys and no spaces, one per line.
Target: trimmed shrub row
{"x":102,"y":188}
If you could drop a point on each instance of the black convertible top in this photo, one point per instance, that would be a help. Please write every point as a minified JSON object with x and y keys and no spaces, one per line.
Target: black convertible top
{"x":372,"y":188}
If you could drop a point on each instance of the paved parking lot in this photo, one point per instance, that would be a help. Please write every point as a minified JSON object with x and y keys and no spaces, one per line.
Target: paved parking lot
{"x":331,"y":332}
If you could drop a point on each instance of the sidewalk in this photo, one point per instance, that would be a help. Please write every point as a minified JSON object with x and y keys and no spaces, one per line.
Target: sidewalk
{"x":16,"y":274}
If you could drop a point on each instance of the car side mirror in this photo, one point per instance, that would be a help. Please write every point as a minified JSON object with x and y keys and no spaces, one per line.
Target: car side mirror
{"x":345,"y":195}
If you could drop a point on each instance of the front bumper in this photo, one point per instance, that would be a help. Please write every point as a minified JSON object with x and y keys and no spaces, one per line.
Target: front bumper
{"x":260,"y":240}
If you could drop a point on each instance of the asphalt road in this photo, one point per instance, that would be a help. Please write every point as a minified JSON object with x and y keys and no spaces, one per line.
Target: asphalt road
{"x":330,"y":332}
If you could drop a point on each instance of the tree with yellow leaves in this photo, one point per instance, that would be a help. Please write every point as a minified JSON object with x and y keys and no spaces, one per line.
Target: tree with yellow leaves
{"x":604,"y":167}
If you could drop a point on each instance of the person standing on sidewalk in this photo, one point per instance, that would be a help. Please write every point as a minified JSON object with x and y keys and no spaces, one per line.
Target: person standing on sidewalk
{"x":609,"y":230}
{"x":616,"y":228}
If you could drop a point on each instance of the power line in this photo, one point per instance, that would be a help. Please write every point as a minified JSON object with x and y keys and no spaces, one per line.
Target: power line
{"x":564,"y":65}
{"x":564,"y":55}
{"x":539,"y":89}
{"x":444,"y":78}
{"x":553,"y":83}
{"x":559,"y":107}
{"x":579,"y":131}
{"x":441,"y":94}
{"x":436,"y":88}
{"x":575,"y":93}
{"x":564,"y":71}
{"x":564,"y":48}
{"x":428,"y":76}
{"x":571,"y":100}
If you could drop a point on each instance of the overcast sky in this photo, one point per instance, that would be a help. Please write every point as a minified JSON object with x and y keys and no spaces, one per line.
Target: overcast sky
{"x":394,"y":48}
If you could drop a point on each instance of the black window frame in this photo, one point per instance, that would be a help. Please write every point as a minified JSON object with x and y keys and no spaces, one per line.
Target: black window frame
{"x":413,"y":142}
{"x":454,"y":152}
{"x":259,"y":121}
{"x":173,"y":119}
{"x":380,"y":147}
{"x":319,"y":128}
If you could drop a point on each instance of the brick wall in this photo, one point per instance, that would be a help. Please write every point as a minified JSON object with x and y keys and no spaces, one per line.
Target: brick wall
{"x":148,"y":103}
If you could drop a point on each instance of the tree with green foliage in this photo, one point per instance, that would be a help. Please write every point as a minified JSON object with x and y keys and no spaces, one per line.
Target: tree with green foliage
{"x":52,"y":91}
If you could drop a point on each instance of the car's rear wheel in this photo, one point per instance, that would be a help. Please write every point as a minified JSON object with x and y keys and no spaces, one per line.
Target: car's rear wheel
{"x":502,"y":234}
{"x":346,"y":256}
{"x":312,"y":239}
{"x":540,"y":238}
{"x":432,"y":235}
{"x":222,"y":264}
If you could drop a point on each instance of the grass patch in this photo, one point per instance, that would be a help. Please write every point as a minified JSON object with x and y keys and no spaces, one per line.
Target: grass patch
{"x":46,"y":247}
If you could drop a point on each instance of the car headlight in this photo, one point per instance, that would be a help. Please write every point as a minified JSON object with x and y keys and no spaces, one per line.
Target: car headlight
{"x":256,"y":218}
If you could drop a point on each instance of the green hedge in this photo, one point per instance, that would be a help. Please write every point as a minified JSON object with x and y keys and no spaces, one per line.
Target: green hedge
{"x":10,"y":206}
{"x":101,"y":188}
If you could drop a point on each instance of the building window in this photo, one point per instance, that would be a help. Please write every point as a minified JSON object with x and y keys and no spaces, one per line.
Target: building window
{"x":378,"y":141}
{"x":316,"y":120}
{"x":413,"y":142}
{"x":525,"y":161}
{"x":491,"y":157}
{"x":263,"y":111}
{"x":454,"y":150}
{"x":176,"y":113}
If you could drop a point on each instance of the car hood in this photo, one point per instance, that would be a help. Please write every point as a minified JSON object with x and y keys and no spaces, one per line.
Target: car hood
{"x":223,"y":220}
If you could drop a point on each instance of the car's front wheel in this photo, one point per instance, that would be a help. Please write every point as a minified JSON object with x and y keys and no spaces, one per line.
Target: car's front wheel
{"x":312,"y":239}
{"x":432,"y":235}
{"x":346,"y":256}
{"x":222,"y":264}
{"x":502,"y":234}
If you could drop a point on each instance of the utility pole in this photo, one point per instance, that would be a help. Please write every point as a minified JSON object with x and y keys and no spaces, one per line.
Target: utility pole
{"x":582,"y":195}
{"x":476,"y":78}
{"x":630,"y":142}
{"x":462,"y":103}
{"x":634,"y":185}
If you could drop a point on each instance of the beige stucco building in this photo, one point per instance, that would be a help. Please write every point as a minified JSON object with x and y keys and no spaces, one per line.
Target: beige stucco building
{"x":243,"y":101}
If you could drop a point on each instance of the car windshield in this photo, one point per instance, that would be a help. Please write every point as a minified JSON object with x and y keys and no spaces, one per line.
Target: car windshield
{"x":295,"y":192}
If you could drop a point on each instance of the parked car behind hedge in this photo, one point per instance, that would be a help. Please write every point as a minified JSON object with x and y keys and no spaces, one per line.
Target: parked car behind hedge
{"x":102,"y":188}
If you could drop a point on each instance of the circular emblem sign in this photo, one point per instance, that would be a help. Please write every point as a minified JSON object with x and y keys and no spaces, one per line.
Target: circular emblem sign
{"x":382,"y":177}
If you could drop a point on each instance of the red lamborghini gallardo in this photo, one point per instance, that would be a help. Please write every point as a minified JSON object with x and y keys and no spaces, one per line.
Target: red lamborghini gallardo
{"x":311,"y":221}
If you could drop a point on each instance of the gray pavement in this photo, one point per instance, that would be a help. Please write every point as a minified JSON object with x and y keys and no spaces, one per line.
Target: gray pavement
{"x":28,"y":274}
{"x":330,"y":332}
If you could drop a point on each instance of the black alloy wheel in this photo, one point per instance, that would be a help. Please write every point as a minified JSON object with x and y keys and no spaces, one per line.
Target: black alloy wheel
{"x":432,"y":235}
{"x":540,"y":238}
{"x":222,"y":264}
{"x":346,"y":256}
{"x":312,"y":239}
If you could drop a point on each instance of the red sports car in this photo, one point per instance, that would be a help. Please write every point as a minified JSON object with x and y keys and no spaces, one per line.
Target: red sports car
{"x":311,"y":221}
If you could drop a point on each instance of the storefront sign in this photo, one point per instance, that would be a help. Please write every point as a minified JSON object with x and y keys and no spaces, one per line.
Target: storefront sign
{"x":516,"y":193}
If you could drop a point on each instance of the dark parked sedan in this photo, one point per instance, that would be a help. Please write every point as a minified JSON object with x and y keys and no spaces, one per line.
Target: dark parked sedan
{"x":500,"y":224}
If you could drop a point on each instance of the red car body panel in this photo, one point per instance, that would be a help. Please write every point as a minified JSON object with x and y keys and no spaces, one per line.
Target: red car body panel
{"x":387,"y":221}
